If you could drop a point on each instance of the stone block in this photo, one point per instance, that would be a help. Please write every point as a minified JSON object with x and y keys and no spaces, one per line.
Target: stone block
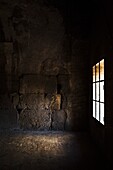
{"x":32,"y":119}
{"x":32,"y":84}
{"x":44,"y":119}
{"x":32,"y":101}
{"x":59,"y":120}
{"x":28,"y":119}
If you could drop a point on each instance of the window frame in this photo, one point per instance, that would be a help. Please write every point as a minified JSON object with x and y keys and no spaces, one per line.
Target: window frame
{"x":94,"y":92}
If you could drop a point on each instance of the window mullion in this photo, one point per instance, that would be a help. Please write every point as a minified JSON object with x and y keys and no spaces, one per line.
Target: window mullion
{"x":99,"y":91}
{"x":95,"y":91}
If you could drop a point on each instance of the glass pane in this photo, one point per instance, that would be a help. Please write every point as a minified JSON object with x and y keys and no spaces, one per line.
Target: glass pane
{"x":102,"y":113}
{"x":102,"y":69}
{"x":93,"y":73}
{"x":93,"y":91}
{"x":97,"y":111}
{"x":97,"y":91}
{"x":97,"y":72}
{"x":102,"y":91}
{"x":93,"y":108}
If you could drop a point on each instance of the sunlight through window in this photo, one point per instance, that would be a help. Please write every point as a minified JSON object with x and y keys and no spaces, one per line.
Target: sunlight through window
{"x":98,"y":91}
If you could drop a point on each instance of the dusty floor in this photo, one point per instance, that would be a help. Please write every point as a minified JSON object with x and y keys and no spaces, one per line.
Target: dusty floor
{"x":48,"y":151}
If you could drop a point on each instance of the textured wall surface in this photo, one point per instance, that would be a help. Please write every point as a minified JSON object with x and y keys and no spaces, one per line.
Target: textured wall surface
{"x":39,"y":62}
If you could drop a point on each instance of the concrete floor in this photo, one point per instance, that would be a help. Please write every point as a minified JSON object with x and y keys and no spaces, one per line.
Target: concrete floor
{"x":48,"y":151}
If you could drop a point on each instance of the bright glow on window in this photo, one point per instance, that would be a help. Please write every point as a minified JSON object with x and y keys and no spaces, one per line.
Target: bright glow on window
{"x":93,"y":108}
{"x":98,"y":91}
{"x":97,"y":111}
{"x":97,"y":72}
{"x":102,"y":113}
{"x":94,"y":74}
{"x":102,"y":69}
{"x":102,"y":91}
{"x":93,"y":91}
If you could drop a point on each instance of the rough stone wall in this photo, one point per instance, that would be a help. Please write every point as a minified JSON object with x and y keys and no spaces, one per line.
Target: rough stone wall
{"x":44,"y":80}
{"x":39,"y":103}
{"x":33,"y":70}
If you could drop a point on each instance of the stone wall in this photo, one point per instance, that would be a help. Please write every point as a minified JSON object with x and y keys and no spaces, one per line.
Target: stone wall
{"x":46,"y":83}
{"x":41,"y":104}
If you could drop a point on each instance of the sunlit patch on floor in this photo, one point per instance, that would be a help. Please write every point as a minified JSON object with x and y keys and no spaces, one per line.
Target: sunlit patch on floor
{"x":45,"y":151}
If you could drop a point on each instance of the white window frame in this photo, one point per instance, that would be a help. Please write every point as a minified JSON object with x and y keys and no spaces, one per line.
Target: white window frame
{"x":98,"y":91}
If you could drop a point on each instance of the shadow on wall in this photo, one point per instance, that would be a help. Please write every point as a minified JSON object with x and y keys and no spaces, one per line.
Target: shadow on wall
{"x":3,"y":82}
{"x":7,"y":112}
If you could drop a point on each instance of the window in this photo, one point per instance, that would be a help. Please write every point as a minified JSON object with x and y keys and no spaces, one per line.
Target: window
{"x":98,"y":91}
